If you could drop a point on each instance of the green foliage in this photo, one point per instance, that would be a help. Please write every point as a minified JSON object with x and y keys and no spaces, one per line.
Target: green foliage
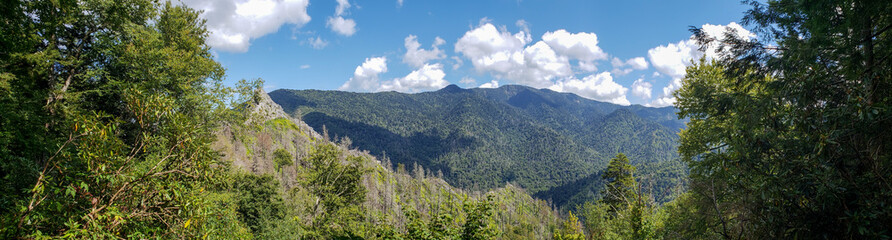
{"x":621,"y":213}
{"x":482,"y":138}
{"x":570,"y":229}
{"x":338,"y":188}
{"x":620,"y":188}
{"x":789,"y":137}
{"x":106,"y":116}
{"x":479,"y":223}
{"x":282,"y":158}
{"x":259,"y":201}
{"x":683,"y":220}
{"x":109,"y":111}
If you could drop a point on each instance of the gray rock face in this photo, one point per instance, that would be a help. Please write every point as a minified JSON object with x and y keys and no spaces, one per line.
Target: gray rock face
{"x":264,"y":108}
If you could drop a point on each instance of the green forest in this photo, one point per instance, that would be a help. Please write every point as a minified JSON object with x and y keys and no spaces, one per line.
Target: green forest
{"x":115,"y":123}
{"x":552,"y":144}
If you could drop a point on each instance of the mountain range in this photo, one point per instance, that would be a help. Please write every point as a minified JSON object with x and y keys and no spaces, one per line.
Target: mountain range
{"x":552,"y":144}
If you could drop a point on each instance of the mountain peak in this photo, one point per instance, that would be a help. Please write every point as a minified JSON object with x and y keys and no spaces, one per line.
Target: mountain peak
{"x":452,"y":88}
{"x":264,"y":108}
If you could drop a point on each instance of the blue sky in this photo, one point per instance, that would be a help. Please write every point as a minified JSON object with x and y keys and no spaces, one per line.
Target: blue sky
{"x":626,"y":52}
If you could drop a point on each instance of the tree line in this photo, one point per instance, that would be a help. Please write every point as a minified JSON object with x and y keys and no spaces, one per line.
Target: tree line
{"x":108,"y":111}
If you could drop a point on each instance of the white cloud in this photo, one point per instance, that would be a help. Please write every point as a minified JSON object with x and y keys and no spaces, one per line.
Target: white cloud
{"x":637,"y":63}
{"x":587,"y":66}
{"x":339,"y":24}
{"x":417,"y":57}
{"x":468,"y":80}
{"x":622,"y":68}
{"x":580,"y":46}
{"x":343,"y":5}
{"x":365,"y":77}
{"x":515,"y":57}
{"x":317,"y":42}
{"x":399,"y":3}
{"x":523,"y":25}
{"x":490,"y":84}
{"x":458,"y":62}
{"x":505,"y":56}
{"x":428,"y":77}
{"x":305,"y":66}
{"x":485,"y":41}
{"x":672,"y":59}
{"x":233,"y":24}
{"x":342,"y":26}
{"x":642,"y":89}
{"x":667,"y":98}
{"x":600,"y":87}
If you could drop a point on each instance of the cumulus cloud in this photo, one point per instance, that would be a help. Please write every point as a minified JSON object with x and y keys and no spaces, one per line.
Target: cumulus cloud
{"x":233,"y":24}
{"x":506,"y":56}
{"x":317,"y":42}
{"x":417,"y":57}
{"x":672,"y":59}
{"x":339,"y":24}
{"x":467,"y":80}
{"x":490,"y":84}
{"x":600,"y":87}
{"x":343,"y":5}
{"x":365,"y":77}
{"x":428,"y":77}
{"x":667,"y":98}
{"x":642,"y":89}
{"x":342,"y":26}
{"x":622,"y":68}
{"x":515,"y":57}
{"x":580,"y":46}
{"x":523,"y":25}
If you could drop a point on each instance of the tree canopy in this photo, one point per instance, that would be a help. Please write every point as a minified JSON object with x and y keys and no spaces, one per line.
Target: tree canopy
{"x":790,"y":133}
{"x":106,"y":112}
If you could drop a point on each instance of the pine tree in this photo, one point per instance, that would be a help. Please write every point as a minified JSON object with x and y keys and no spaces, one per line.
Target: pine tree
{"x":619,"y":192}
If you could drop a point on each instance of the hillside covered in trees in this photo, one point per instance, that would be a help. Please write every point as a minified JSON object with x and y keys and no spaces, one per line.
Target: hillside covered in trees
{"x":115,"y":123}
{"x":553,"y":144}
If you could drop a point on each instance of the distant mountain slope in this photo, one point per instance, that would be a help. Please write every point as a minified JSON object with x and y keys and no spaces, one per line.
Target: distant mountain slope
{"x":390,"y":193}
{"x":483,"y":138}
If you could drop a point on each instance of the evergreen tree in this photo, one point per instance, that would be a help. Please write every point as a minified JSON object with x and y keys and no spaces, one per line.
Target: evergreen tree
{"x":619,"y":192}
{"x":570,"y":229}
{"x":790,"y":134}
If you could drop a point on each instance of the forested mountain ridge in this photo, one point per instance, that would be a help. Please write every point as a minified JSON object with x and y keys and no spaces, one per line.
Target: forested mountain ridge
{"x":393,"y":199}
{"x":482,"y":138}
{"x":115,"y":123}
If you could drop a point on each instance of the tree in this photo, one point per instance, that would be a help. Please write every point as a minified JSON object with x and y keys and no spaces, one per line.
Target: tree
{"x":619,"y":191}
{"x":282,"y":158}
{"x":259,"y":201}
{"x":570,"y":229}
{"x":106,"y":116}
{"x":479,"y":223}
{"x":790,"y":134}
{"x":338,"y":187}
